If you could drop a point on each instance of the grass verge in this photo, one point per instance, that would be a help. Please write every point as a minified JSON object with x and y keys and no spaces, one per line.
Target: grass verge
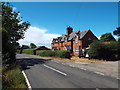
{"x":13,"y":78}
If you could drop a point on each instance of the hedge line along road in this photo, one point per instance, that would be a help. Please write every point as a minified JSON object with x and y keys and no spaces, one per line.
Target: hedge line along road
{"x":48,"y":73}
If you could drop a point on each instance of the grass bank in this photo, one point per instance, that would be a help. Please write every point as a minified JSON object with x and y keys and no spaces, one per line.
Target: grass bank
{"x":13,"y":78}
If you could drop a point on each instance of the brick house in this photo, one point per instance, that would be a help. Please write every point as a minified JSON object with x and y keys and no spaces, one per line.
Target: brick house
{"x":76,"y":41}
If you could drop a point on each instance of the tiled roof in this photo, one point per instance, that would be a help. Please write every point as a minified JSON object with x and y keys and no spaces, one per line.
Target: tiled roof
{"x":78,"y":33}
{"x":62,"y":37}
{"x":83,"y":33}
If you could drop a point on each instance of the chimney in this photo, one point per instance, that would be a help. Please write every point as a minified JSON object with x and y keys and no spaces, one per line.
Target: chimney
{"x":69,"y":30}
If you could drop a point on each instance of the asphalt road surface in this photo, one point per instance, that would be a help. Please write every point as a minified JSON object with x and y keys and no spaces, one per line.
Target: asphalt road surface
{"x":48,"y":73}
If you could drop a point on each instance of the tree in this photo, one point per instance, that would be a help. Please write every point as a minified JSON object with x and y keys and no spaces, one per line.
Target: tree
{"x":32,"y":45}
{"x":13,"y":29}
{"x":100,"y":50}
{"x":107,"y":37}
{"x":117,"y":33}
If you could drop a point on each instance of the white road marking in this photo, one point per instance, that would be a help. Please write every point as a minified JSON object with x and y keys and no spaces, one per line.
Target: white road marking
{"x":97,"y":89}
{"x":56,"y":61}
{"x":83,"y":68}
{"x":27,"y":57}
{"x":27,"y":81}
{"x":118,"y":78}
{"x":63,"y":63}
{"x":55,"y":70}
{"x":71,"y":65}
{"x":99,"y":73}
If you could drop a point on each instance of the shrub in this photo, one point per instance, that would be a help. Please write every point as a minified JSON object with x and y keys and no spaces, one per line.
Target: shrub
{"x":62,"y":53}
{"x":47,"y":53}
{"x":99,"y":50}
{"x":13,"y":78}
{"x":57,"y":53}
{"x":28,"y":51}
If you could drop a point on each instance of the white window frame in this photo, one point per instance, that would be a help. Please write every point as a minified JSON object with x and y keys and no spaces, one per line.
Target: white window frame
{"x":76,"y":50}
{"x":76,"y":40}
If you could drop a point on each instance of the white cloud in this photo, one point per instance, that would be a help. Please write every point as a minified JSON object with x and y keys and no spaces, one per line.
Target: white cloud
{"x":99,"y":37}
{"x":113,"y":36}
{"x":14,"y":8}
{"x":116,"y":38}
{"x":38,"y":36}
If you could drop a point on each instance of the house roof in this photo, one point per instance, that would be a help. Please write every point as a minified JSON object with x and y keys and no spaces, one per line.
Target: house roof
{"x":63,"y":37}
{"x":78,"y":33}
{"x":83,"y":33}
{"x":41,"y":48}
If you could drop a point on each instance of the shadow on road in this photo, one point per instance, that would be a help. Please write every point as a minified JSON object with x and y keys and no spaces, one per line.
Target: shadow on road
{"x":26,"y":62}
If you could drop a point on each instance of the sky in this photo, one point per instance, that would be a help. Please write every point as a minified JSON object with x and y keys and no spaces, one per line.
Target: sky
{"x":50,"y":19}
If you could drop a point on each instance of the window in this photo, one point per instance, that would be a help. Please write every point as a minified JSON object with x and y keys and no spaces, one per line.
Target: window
{"x":65,"y":40}
{"x":76,"y":40}
{"x":54,"y":48}
{"x":77,"y":50}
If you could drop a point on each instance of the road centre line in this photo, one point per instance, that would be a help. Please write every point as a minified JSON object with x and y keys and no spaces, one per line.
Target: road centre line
{"x":63,"y":63}
{"x":56,"y":61}
{"x":83,"y":68}
{"x":71,"y":65}
{"x":118,"y":78}
{"x":27,"y":81}
{"x":55,"y":70}
{"x":99,"y":73}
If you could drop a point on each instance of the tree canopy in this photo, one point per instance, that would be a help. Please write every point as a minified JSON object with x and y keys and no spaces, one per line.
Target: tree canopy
{"x":13,"y":29}
{"x":107,"y":37}
{"x":117,"y":33}
{"x":32,"y":45}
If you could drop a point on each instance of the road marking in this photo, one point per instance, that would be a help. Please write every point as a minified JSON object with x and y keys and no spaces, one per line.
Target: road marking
{"x":56,"y":61}
{"x":99,"y":73}
{"x":118,"y":78}
{"x":83,"y":68}
{"x":71,"y":65}
{"x":55,"y":70}
{"x":27,"y":57}
{"x":29,"y":87}
{"x":97,"y":89}
{"x":63,"y":63}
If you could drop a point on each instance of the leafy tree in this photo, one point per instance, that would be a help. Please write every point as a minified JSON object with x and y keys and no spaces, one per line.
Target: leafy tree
{"x":117,"y":33}
{"x":13,"y":29}
{"x":107,"y":37}
{"x":32,"y":45}
{"x":100,"y":50}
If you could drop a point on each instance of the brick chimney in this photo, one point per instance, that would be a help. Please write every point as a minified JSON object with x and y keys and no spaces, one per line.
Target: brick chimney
{"x":69,"y":30}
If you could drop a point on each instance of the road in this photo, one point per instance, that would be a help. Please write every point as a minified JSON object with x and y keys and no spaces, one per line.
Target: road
{"x":48,"y":73}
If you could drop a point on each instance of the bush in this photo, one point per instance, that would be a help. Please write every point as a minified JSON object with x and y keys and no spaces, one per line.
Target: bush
{"x":13,"y":78}
{"x":62,"y":53}
{"x":47,"y":53}
{"x":99,"y":50}
{"x":57,"y":53}
{"x":28,"y":51}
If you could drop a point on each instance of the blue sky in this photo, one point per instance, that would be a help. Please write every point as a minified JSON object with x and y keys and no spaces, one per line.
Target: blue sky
{"x":50,"y":19}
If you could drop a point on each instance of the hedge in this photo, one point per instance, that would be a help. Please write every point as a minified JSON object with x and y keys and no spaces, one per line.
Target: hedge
{"x":28,"y":51}
{"x":47,"y":53}
{"x":62,"y":53}
{"x":57,"y":53}
{"x":99,"y":50}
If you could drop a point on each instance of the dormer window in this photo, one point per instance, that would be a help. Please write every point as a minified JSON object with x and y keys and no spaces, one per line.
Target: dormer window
{"x":65,"y":40}
{"x":76,"y":39}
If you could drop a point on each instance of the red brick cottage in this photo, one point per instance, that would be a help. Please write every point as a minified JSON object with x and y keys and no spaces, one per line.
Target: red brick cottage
{"x":76,"y":41}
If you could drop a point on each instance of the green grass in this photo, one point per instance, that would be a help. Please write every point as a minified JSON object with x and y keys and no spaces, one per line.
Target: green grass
{"x":13,"y":78}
